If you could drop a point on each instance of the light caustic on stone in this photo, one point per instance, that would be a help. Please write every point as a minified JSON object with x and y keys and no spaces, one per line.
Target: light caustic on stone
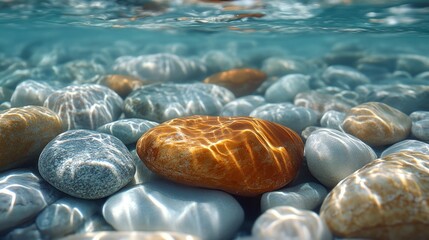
{"x":241,"y":155}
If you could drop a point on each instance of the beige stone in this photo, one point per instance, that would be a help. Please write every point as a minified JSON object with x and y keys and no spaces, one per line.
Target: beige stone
{"x":377,"y":124}
{"x":386,"y":199}
{"x":24,"y":132}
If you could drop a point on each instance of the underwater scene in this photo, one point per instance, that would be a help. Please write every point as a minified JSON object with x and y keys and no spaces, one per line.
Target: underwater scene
{"x":217,"y":120}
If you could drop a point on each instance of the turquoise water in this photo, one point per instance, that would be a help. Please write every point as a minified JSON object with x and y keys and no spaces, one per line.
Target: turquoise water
{"x":77,"y":41}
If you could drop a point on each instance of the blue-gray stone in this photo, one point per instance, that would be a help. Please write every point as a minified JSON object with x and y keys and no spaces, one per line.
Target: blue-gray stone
{"x":166,"y":206}
{"x":242,"y":106}
{"x":31,"y":93}
{"x":65,"y":216}
{"x":407,"y":145}
{"x":276,"y":66}
{"x":413,"y":63}
{"x":293,"y":117}
{"x":85,"y":106}
{"x":127,"y":130}
{"x":128,"y":235}
{"x":420,"y":129}
{"x":162,"y":67}
{"x":95,"y":223}
{"x":162,"y":102}
{"x":25,"y":231}
{"x":86,"y":164}
{"x":344,"y":77}
{"x":332,"y":119}
{"x":287,"y":87}
{"x":23,"y":194}
{"x":306,"y":196}
{"x":419,"y":115}
{"x":333,"y":155}
{"x":218,"y":61}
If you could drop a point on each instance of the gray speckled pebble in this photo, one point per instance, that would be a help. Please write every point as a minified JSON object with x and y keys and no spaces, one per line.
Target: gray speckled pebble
{"x":165,"y":206}
{"x":333,"y":155}
{"x":420,"y":129}
{"x":23,"y":194}
{"x":287,"y":87}
{"x":86,"y":164}
{"x":31,"y":93}
{"x":419,"y":115}
{"x":127,"y":130}
{"x":286,"y":114}
{"x":407,"y":145}
{"x":65,"y":216}
{"x":85,"y":106}
{"x":332,"y":119}
{"x":162,"y":102}
{"x":306,"y":196}
{"x":242,"y":106}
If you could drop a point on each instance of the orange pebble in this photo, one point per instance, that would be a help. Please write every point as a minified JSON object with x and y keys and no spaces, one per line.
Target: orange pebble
{"x":122,"y":84}
{"x":240,"y":81}
{"x":240,"y":155}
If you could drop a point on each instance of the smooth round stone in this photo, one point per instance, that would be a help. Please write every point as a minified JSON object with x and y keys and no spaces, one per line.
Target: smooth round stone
{"x":419,"y":115}
{"x":242,"y":106}
{"x":31,"y":93}
{"x":407,"y":145}
{"x":333,"y":155}
{"x":80,"y":71}
{"x":306,"y":196}
{"x":287,"y":114}
{"x":414,"y":64}
{"x":287,"y":87}
{"x":240,"y":81}
{"x":323,"y":100}
{"x":23,"y":194}
{"x":386,"y":199}
{"x":218,"y":61}
{"x":332,"y":119}
{"x":131,"y":235}
{"x":241,"y":155}
{"x":127,"y":130}
{"x":86,"y":164}
{"x":406,"y":98}
{"x":121,"y":84}
{"x":162,"y":102}
{"x":65,"y":216}
{"x":276,"y":66}
{"x":162,"y":67}
{"x":420,"y":129}
{"x":290,"y":223}
{"x":165,"y":206}
{"x":344,"y":77}
{"x":85,"y":106}
{"x":24,"y":133}
{"x":377,"y":124}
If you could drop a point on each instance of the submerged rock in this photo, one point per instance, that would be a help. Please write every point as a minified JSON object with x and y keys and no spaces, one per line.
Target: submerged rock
{"x":86,"y":164}
{"x":287,"y":87}
{"x":242,"y":106}
{"x":127,"y":130}
{"x":386,"y":199}
{"x":241,"y":155}
{"x":31,"y":93}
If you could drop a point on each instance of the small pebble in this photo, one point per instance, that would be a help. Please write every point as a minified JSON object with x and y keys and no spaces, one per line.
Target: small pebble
{"x":31,"y":93}
{"x":290,"y":223}
{"x":420,"y":130}
{"x":419,"y":115}
{"x":242,"y":106}
{"x":121,"y":84}
{"x":377,"y":124}
{"x":344,"y":77}
{"x":287,"y":87}
{"x":286,"y":114}
{"x":127,"y":130}
{"x":131,"y":235}
{"x":333,"y":155}
{"x":412,"y":63}
{"x":305,"y":196}
{"x":407,"y":145}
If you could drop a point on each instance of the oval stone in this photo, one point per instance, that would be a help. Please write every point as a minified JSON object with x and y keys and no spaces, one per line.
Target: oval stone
{"x":386,"y":199}
{"x":31,"y":93}
{"x":290,"y":223}
{"x":241,"y":155}
{"x":131,"y":235}
{"x":25,"y":132}
{"x":85,"y":106}
{"x":287,"y":87}
{"x":121,"y":84}
{"x":86,"y":164}
{"x":239,"y":81}
{"x":377,"y":124}
{"x":242,"y":106}
{"x":407,"y":145}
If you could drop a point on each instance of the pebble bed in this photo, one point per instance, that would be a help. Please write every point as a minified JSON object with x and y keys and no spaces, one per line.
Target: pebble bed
{"x":183,"y":142}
